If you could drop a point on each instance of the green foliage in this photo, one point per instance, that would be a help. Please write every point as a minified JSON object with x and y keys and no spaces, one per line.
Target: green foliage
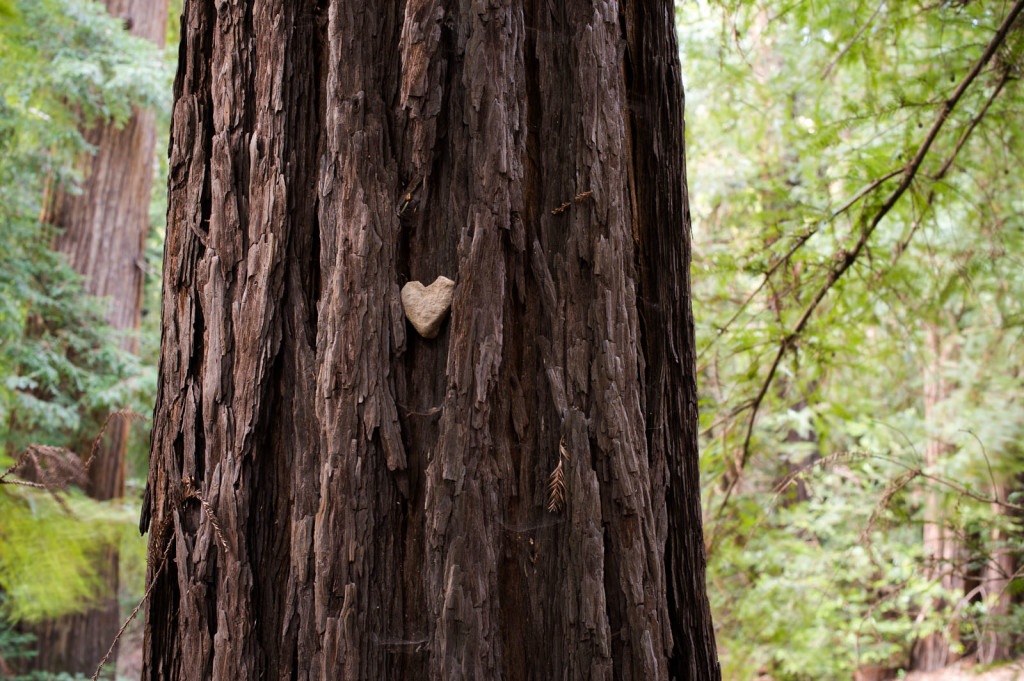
{"x":816,"y":589}
{"x":49,"y":550}
{"x":67,"y":65}
{"x":69,"y":62}
{"x":14,"y":645}
{"x":55,"y":352}
{"x":801,"y":117}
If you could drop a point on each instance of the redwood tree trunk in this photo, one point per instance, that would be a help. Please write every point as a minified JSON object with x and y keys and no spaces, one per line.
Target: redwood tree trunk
{"x":103,"y":234}
{"x":940,"y":543}
{"x":997,"y":638}
{"x":336,"y":497}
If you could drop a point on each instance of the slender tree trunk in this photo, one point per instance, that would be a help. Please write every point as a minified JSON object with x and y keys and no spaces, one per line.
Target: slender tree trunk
{"x":103,"y":233}
{"x":336,"y":497}
{"x":940,"y":544}
{"x":997,"y":636}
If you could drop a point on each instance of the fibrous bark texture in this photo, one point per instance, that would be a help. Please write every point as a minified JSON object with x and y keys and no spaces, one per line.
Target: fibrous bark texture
{"x":336,"y":497}
{"x":103,"y":233}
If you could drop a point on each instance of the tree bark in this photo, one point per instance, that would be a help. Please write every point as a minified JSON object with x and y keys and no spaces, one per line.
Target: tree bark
{"x":334,"y":496}
{"x":103,"y":234}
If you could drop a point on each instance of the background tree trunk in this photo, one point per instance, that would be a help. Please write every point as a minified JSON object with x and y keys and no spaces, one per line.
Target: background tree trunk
{"x":335,"y":496}
{"x":996,"y":641}
{"x":941,"y":545}
{"x":103,"y":233}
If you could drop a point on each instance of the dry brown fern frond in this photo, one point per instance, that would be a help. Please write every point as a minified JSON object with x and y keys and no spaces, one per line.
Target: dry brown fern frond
{"x":49,"y":467}
{"x":557,"y":486}
{"x":125,"y":413}
{"x":556,"y":489}
{"x":891,"y":490}
{"x":52,"y":469}
{"x":55,"y":469}
{"x":190,"y":490}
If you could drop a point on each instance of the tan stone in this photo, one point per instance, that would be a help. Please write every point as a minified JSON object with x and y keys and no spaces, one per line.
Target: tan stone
{"x":426,"y":306}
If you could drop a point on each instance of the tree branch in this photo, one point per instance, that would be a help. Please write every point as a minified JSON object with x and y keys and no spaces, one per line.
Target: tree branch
{"x":849,"y":257}
{"x":800,"y":241}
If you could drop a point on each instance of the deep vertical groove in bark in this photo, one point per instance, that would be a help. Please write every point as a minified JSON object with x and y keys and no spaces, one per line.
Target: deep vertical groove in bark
{"x":430,"y":67}
{"x":384,"y":494}
{"x":463,"y":475}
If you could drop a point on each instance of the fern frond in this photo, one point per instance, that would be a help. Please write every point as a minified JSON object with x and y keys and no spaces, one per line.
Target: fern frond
{"x":557,"y":486}
{"x":556,"y":489}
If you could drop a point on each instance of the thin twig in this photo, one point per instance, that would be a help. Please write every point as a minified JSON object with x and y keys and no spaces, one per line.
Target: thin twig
{"x":13,"y":467}
{"x":867,"y":189}
{"x":794,"y":476}
{"x":213,"y":521}
{"x":891,"y":490}
{"x":944,"y":168}
{"x":191,"y":491}
{"x":988,"y":464}
{"x":145,"y":596}
{"x":557,"y":485}
{"x":578,"y":198}
{"x":909,"y":474}
{"x":960,"y":489}
{"x":800,"y":241}
{"x":23,"y":483}
{"x":126,"y":413}
{"x":63,"y":468}
{"x":835,"y":62}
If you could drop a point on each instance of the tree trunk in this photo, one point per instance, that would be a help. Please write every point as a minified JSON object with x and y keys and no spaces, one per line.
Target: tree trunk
{"x":997,"y":638}
{"x":335,"y":496}
{"x":940,"y":542}
{"x":103,"y":234}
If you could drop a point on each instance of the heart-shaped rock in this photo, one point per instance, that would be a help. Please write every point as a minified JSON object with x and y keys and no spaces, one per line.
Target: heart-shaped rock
{"x":426,"y":306}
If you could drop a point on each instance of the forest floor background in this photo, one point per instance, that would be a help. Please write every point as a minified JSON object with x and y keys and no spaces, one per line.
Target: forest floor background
{"x":1013,"y":671}
{"x":129,"y":666}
